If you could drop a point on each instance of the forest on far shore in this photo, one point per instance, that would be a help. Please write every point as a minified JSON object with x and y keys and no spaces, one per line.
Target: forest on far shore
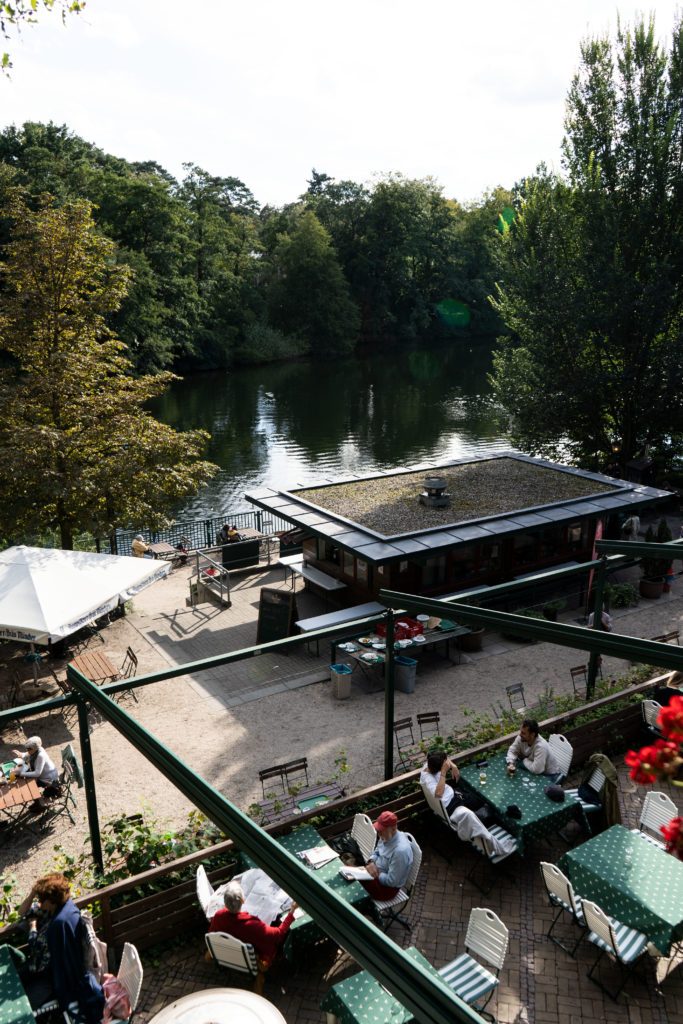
{"x":218,"y":281}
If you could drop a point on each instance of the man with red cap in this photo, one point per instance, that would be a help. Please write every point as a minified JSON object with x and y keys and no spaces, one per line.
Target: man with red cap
{"x":390,"y":861}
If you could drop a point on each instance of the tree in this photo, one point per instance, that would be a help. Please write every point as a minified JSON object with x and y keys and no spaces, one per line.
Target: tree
{"x":592,"y":267}
{"x":16,"y":13}
{"x":78,"y":451}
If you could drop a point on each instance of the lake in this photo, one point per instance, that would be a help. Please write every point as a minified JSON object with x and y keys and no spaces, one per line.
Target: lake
{"x":297,"y":423}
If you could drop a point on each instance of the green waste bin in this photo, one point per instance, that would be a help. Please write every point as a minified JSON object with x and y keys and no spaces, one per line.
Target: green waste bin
{"x":341,"y":680}
{"x":404,"y":673}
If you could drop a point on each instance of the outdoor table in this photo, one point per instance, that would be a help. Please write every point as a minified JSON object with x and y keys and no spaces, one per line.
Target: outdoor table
{"x":219,"y":1004}
{"x":164,"y":550}
{"x":284,"y":807}
{"x":304,"y":931}
{"x":361,"y":999}
{"x":646,"y":893}
{"x":15,"y":799}
{"x":541,"y":816}
{"x":14,"y":1005}
{"x":96,"y":667}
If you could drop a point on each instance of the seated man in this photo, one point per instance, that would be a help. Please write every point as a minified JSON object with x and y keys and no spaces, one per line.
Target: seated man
{"x":434,"y":775}
{"x":534,"y":752}
{"x":265,"y":938}
{"x":139,"y":547}
{"x":605,"y":618}
{"x":223,"y":537}
{"x":36,"y":764}
{"x":390,"y":861}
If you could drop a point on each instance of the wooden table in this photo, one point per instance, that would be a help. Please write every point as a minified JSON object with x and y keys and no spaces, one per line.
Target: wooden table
{"x":96,"y":667}
{"x":632,"y":880}
{"x":219,"y":1004}
{"x":304,"y":931}
{"x":166,"y":551}
{"x":361,"y":999}
{"x":14,"y":1005}
{"x":281,"y":808}
{"x":541,"y":816}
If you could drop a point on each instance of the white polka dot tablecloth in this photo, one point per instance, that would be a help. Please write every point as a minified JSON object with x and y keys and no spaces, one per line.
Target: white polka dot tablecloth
{"x":631,"y":880}
{"x":14,"y":1005}
{"x":362,"y":1000}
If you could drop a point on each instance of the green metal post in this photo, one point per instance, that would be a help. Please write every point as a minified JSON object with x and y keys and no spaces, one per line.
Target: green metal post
{"x":594,"y":659}
{"x":89,"y":779}
{"x":389,"y":699}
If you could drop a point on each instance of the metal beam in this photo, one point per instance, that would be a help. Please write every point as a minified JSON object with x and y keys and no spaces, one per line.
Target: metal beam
{"x":641,"y":548}
{"x":427,"y":997}
{"x":89,"y":782}
{"x":389,"y":680}
{"x":615,"y":644}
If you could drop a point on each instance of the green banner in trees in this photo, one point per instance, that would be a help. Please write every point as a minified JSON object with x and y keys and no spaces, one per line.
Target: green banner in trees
{"x":276,"y":615}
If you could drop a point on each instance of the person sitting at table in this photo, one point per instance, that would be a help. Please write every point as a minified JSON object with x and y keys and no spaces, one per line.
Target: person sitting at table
{"x":233,"y":535}
{"x":139,"y":547}
{"x":534,"y":752}
{"x":36,"y":764}
{"x":223,"y":535}
{"x":434,"y":775}
{"x":391,"y":860}
{"x":605,"y":618}
{"x":266,"y":939}
{"x":66,"y":941}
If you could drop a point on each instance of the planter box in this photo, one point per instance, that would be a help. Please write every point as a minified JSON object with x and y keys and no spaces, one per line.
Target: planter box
{"x":651,"y":589}
{"x":472,"y":641}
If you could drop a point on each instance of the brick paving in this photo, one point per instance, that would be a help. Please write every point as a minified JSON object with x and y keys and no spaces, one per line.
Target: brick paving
{"x":540,"y":984}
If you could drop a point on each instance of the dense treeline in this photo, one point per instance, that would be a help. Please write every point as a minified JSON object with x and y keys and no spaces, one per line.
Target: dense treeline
{"x":216,"y":281}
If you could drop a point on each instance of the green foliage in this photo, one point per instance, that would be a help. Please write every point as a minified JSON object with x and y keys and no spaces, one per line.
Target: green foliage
{"x":15,"y":13}
{"x":620,"y":595}
{"x":591,"y":266}
{"x":655,"y":568}
{"x":264,"y":344}
{"x":79,"y":451}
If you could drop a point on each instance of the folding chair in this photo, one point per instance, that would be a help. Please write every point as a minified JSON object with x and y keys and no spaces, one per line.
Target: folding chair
{"x":227,"y":951}
{"x":596,"y":781}
{"x":428,"y":724}
{"x":365,"y":834}
{"x":60,"y":804}
{"x":561,"y":895}
{"x":563,"y":751}
{"x":651,"y":709}
{"x":515,"y":694}
{"x":129,"y":668}
{"x":409,"y":755}
{"x":388,"y":910}
{"x":268,"y":774}
{"x":130,"y":975}
{"x":623,"y":944}
{"x":295,"y":773}
{"x":658,"y":809}
{"x":487,"y":937}
{"x":579,"y":674}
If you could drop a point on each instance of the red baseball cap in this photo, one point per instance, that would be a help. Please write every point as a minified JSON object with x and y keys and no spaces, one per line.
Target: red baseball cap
{"x":387,"y":819}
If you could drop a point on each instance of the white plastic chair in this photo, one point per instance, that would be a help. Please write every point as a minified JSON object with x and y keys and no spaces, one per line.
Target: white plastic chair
{"x":563,"y":751}
{"x":205,"y":891}
{"x":651,"y":709}
{"x":487,"y":938}
{"x":625,"y":945}
{"x":365,"y":834}
{"x":561,"y":895}
{"x":227,"y":951}
{"x":130,"y":975}
{"x":658,"y":809}
{"x":389,"y":910}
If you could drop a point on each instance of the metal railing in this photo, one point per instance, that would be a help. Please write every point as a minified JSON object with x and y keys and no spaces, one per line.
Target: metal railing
{"x":211,"y":575}
{"x":201,"y":533}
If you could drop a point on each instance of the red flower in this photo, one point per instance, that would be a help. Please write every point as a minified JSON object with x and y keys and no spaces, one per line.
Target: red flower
{"x":671,"y":719}
{"x":648,"y":763}
{"x":673,"y":833}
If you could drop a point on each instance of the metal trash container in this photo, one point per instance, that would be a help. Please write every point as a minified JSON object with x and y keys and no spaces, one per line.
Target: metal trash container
{"x":404,"y":673}
{"x":341,"y":680}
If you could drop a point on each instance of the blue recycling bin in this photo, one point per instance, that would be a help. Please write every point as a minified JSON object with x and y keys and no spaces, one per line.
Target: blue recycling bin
{"x":341,"y":680}
{"x":404,"y":673}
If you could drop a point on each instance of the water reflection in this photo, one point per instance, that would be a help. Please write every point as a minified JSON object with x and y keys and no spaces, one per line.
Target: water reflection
{"x":301,"y":422}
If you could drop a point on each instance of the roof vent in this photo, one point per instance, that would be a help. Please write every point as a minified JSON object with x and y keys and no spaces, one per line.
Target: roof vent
{"x":435,"y":494}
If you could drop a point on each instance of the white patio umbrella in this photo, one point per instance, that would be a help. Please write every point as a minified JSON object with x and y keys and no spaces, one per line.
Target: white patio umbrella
{"x":47,"y":594}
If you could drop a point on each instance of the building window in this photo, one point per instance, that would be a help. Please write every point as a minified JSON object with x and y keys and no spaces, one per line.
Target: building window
{"x":361,"y":570}
{"x":575,"y":536}
{"x":348,"y":564}
{"x":327,"y":551}
{"x":434,"y":571}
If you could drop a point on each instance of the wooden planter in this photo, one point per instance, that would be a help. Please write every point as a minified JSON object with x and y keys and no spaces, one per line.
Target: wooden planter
{"x":651,"y":589}
{"x":472,"y":641}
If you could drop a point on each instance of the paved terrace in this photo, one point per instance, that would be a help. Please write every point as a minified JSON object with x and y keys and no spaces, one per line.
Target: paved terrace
{"x":540,"y":984}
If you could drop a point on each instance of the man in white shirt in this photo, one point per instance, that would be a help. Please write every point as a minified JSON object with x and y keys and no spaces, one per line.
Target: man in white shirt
{"x":534,"y":752}
{"x":434,"y":775}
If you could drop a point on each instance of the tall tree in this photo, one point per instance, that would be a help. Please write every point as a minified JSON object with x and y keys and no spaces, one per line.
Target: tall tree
{"x":592,"y":268}
{"x":78,"y":451}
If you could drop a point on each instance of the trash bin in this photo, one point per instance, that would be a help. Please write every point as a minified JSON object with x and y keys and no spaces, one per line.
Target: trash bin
{"x":404,"y":673}
{"x":341,"y":680}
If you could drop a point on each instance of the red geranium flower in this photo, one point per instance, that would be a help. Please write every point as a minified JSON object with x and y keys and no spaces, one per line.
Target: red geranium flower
{"x":648,"y":763}
{"x":671,"y":719}
{"x":673,"y":833}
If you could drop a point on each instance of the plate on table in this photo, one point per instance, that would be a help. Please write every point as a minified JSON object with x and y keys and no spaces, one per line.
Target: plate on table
{"x":371,"y":659}
{"x":379,"y":647}
{"x":365,"y":640}
{"x":418,"y":639}
{"x":348,"y":647}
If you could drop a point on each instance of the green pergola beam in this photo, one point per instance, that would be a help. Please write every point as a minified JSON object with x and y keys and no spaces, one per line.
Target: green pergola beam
{"x":641,"y":548}
{"x":428,"y":998}
{"x":615,"y":644}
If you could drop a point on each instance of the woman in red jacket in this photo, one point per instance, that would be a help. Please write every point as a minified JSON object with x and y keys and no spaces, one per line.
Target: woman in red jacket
{"x":266,"y":939}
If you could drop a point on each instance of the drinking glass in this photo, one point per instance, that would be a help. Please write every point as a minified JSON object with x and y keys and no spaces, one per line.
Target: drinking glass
{"x":482,"y":778}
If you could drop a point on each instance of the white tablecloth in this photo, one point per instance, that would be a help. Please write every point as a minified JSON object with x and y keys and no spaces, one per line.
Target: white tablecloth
{"x":218,"y":1006}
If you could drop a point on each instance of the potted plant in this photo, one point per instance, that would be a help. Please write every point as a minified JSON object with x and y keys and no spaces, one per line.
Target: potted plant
{"x":472,"y":641}
{"x":551,"y":609}
{"x":654,"y":569}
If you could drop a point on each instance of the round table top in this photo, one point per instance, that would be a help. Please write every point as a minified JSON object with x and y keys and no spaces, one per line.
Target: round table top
{"x":218,"y":1005}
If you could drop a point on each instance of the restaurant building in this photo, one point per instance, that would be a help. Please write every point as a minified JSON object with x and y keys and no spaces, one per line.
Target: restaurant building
{"x":441,"y":527}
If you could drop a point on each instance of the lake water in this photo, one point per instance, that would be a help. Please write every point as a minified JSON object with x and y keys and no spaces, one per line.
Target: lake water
{"x":297,"y":423}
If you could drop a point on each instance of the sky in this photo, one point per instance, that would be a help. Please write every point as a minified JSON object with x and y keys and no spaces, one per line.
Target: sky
{"x":471,"y":94}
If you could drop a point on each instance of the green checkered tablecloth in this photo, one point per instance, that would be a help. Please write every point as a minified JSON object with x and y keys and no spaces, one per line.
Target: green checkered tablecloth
{"x":14,"y":1005}
{"x":541,"y":816}
{"x":362,"y":1000}
{"x":304,"y":931}
{"x":631,"y":880}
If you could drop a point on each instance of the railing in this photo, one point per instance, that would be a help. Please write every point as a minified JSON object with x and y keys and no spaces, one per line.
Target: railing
{"x":201,"y":533}
{"x":211,"y":575}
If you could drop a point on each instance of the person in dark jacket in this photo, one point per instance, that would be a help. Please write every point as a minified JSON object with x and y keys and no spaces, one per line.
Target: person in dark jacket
{"x":71,"y":982}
